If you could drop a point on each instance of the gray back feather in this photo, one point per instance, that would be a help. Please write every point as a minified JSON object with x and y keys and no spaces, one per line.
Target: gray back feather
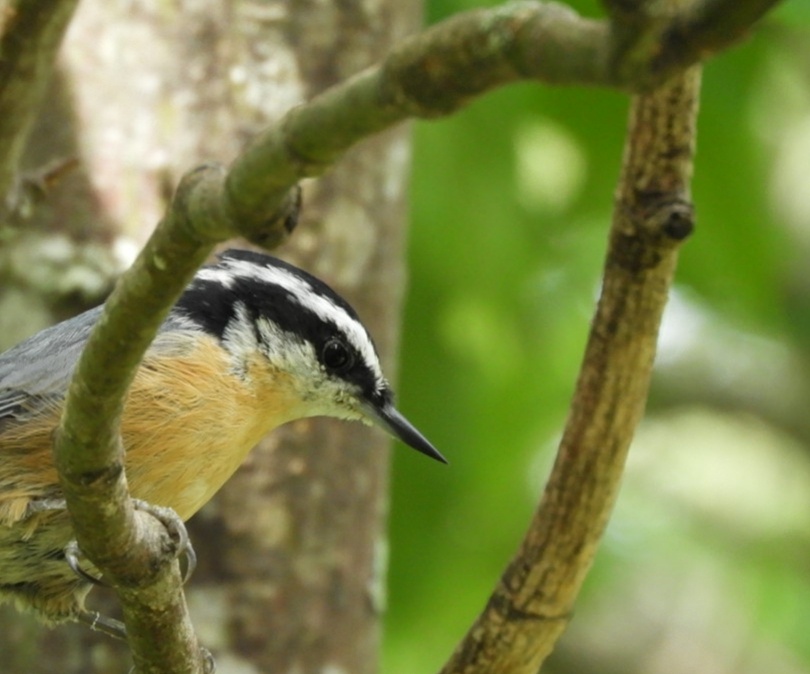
{"x":40,"y":368}
{"x":44,"y":363}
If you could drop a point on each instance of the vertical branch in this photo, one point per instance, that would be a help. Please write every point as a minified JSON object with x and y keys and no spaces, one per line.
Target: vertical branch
{"x":532,"y":603}
{"x":30,"y":35}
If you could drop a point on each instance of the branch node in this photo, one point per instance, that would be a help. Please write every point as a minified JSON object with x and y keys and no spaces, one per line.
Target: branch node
{"x":677,"y":220}
{"x":279,"y":225}
{"x":199,"y":205}
{"x":506,"y":607}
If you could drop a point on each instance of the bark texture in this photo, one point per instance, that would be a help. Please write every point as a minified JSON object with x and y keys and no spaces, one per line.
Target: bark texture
{"x":533,"y":602}
{"x":292,"y":553}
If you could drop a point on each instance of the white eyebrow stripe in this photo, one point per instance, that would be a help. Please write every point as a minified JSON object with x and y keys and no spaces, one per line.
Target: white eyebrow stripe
{"x":217,"y":274}
{"x":303,"y":293}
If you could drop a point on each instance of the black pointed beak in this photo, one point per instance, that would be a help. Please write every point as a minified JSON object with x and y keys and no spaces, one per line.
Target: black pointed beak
{"x":390,"y":420}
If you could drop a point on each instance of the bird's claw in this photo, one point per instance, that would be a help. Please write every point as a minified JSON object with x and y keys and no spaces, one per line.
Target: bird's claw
{"x":177,"y":531}
{"x":209,"y":664}
{"x":72,"y":555}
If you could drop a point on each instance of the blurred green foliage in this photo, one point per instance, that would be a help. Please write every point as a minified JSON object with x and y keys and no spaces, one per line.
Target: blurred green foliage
{"x":705,"y":566}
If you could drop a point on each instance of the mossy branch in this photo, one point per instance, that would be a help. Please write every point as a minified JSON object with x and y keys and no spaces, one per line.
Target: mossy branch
{"x":437,"y":72}
{"x":430,"y":74}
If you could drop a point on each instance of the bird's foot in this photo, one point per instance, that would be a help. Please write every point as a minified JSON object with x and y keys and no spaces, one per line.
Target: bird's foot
{"x":174,"y":526}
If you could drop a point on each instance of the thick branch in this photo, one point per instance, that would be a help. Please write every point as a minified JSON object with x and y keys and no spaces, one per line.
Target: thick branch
{"x":129,"y":546}
{"x":30,"y":35}
{"x":440,"y":70}
{"x":533,"y":601}
{"x":430,"y":74}
{"x":437,"y":72}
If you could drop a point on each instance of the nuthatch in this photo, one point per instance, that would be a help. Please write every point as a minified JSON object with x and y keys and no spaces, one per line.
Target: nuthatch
{"x":251,"y":344}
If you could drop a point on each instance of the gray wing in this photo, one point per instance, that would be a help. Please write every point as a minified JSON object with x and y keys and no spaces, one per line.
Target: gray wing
{"x":44,"y":363}
{"x":38,"y":370}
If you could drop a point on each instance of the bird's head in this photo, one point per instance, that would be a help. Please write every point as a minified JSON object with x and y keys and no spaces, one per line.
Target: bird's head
{"x":257,"y":304}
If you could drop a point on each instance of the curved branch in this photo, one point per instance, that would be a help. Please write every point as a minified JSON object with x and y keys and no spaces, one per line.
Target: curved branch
{"x":429,"y":74}
{"x":436,"y":72}
{"x":532,"y":604}
{"x":130,"y":547}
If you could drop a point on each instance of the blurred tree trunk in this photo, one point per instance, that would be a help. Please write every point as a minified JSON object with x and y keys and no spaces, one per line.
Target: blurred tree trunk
{"x":291,"y":552}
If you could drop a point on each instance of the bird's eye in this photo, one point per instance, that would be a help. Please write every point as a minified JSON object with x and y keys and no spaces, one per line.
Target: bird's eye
{"x":336,"y":356}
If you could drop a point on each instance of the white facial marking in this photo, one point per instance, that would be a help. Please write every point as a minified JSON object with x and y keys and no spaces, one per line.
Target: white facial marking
{"x":239,"y":338}
{"x":320,"y":393}
{"x":307,"y":297}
